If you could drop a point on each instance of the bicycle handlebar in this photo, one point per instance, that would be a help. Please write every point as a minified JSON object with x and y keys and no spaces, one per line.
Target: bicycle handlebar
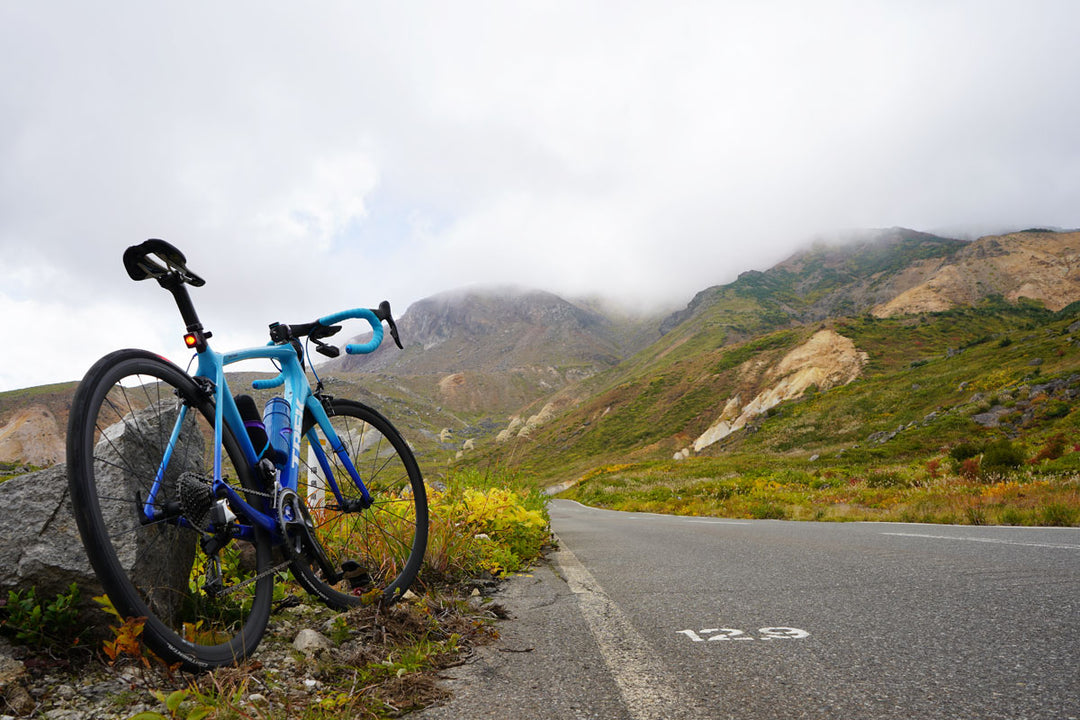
{"x":359,"y":314}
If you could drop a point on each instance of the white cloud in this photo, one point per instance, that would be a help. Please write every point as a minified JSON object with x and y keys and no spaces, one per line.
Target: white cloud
{"x":395,"y":150}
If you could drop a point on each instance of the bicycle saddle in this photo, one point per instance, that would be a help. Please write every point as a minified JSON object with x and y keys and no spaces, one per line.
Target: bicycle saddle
{"x":157,"y":258}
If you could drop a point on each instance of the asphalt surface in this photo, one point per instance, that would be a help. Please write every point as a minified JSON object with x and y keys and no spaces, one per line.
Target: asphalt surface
{"x":648,"y":616}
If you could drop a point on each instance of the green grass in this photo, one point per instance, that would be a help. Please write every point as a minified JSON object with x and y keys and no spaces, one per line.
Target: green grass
{"x":753,"y":486}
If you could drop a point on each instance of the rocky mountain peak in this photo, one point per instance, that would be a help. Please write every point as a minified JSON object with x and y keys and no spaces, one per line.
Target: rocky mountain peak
{"x":494,"y":329}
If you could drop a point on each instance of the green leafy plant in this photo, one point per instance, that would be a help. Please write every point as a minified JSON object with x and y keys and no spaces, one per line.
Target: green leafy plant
{"x":53,"y":624}
{"x":485,"y":523}
{"x":174,"y":706}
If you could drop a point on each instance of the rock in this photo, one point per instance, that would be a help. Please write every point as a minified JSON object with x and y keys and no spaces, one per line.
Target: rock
{"x":11,"y":671}
{"x":44,"y":549}
{"x":991,"y":418}
{"x":14,"y":694}
{"x":310,"y":642}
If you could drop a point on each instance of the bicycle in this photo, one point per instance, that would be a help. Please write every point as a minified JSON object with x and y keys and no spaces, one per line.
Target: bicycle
{"x":189,"y":504}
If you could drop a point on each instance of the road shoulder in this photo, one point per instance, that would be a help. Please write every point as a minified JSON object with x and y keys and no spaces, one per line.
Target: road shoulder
{"x":545,"y":663}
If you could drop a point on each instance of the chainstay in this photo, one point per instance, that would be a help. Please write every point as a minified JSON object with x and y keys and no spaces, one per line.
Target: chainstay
{"x":244,"y":583}
{"x":270,"y":570}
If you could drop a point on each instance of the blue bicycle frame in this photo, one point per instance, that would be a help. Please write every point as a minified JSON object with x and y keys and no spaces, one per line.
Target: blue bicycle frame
{"x":297,"y":392}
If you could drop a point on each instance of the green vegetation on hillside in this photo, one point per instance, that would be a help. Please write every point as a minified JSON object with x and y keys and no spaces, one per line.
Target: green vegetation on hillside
{"x":977,"y":376}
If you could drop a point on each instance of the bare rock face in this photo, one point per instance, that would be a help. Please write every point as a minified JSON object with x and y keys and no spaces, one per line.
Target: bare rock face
{"x":826,"y":360}
{"x":1039,"y":265}
{"x":33,"y":436}
{"x":40,"y":544}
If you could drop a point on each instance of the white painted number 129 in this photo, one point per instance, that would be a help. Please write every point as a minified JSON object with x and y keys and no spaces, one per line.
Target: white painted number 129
{"x":766,"y":633}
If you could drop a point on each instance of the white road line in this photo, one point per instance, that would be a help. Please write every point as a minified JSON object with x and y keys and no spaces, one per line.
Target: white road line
{"x":648,"y":689}
{"x":1060,"y":546}
{"x":634,"y":515}
{"x":717,"y":522}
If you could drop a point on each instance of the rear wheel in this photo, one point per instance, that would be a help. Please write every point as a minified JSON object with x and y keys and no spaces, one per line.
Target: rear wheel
{"x":378,"y":550}
{"x":205,"y":593}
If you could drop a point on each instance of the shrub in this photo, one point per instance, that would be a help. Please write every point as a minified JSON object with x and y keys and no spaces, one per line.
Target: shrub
{"x":1002,"y":457}
{"x":1059,"y":514}
{"x":886,"y":479}
{"x":964,"y":450}
{"x":1013,"y":516}
{"x":1056,"y":409}
{"x":969,"y":469}
{"x":480,"y":523}
{"x":765,"y":510}
{"x":1052,"y":450}
{"x":53,"y":624}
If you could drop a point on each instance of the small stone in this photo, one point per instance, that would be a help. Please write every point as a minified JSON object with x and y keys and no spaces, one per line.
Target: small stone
{"x":19,"y":700}
{"x":257,"y":699}
{"x":310,"y":641}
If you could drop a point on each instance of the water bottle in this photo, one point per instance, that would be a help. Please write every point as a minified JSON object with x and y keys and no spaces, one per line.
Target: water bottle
{"x":278,"y":430}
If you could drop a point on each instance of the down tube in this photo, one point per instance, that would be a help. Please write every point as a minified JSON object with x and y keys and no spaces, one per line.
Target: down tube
{"x":322,"y":421}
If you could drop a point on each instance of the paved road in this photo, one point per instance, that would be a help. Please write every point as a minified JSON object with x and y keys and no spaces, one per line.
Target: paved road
{"x":647,"y":616}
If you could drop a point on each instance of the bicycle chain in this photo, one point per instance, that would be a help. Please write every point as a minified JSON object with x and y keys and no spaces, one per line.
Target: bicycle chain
{"x":270,"y":570}
{"x":243,"y":583}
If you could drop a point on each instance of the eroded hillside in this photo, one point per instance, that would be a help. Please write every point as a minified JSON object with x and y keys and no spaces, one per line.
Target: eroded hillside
{"x":1039,"y":265}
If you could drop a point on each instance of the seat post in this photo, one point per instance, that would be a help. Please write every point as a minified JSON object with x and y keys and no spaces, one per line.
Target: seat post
{"x":174,"y":283}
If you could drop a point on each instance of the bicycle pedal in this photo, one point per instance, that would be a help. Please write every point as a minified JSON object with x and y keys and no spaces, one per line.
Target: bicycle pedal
{"x":355,"y":573}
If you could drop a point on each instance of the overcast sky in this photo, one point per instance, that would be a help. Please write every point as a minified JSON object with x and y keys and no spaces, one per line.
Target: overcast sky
{"x":392,"y":150}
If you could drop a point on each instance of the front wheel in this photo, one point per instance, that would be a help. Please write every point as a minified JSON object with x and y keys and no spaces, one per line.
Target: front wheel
{"x":140,"y":454}
{"x":376,"y":552}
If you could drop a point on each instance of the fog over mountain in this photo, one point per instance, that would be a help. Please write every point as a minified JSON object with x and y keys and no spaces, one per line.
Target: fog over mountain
{"x":309,"y":159}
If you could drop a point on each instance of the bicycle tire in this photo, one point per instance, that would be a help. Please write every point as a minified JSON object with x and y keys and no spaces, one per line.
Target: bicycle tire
{"x":386,"y":541}
{"x":118,"y":431}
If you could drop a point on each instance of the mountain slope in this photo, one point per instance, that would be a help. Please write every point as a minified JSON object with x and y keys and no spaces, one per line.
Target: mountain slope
{"x":925,"y":385}
{"x":1035,"y":264}
{"x":726,"y":349}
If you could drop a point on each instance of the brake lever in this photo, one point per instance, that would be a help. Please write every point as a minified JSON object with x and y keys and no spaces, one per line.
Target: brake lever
{"x":383,"y":313}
